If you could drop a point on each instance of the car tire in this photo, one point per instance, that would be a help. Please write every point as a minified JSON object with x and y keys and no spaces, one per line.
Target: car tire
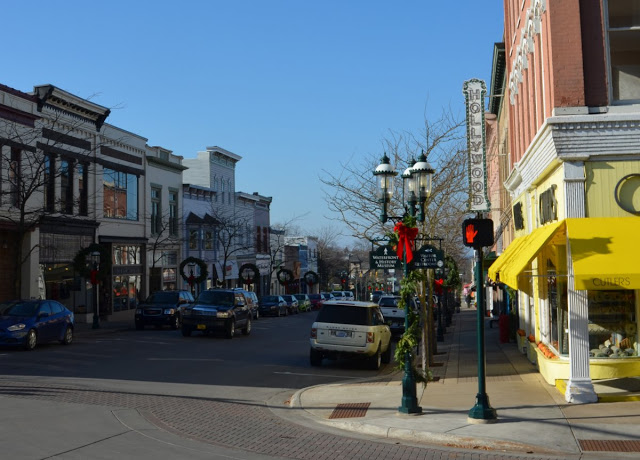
{"x":68,"y":336}
{"x":386,"y":356}
{"x":31,"y":340}
{"x":175,"y":323}
{"x":376,"y":360}
{"x":230,"y":330}
{"x":186,"y":331}
{"x":139,"y":326}
{"x":246,"y":330}
{"x":315,"y":358}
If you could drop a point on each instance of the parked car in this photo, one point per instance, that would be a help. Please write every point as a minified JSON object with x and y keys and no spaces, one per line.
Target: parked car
{"x":316,"y":301}
{"x":375,"y":296}
{"x":292,"y":304}
{"x":348,"y":295}
{"x":327,"y":296}
{"x":252,"y":301}
{"x":304,"y":302}
{"x":350,"y":329}
{"x":393,"y":315}
{"x":272,"y":305}
{"x":27,"y":323}
{"x":338,"y":295}
{"x":217,"y":309}
{"x":162,"y":308}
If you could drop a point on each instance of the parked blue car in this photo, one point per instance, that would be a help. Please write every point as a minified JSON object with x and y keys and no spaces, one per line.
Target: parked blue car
{"x":27,"y":323}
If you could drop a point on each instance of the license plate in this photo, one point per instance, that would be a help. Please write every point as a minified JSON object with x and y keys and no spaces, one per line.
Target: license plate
{"x":342,"y":333}
{"x":201,"y":326}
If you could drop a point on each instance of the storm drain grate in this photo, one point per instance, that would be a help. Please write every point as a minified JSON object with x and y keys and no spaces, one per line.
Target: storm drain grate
{"x":350,"y":410}
{"x":609,"y":446}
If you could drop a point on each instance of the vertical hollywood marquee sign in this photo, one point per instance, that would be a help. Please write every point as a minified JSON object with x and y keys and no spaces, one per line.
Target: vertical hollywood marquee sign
{"x":474,"y":94}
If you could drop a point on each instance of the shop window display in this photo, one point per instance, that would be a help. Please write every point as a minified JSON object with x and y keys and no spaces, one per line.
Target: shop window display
{"x":559,"y":316}
{"x":612,"y":324}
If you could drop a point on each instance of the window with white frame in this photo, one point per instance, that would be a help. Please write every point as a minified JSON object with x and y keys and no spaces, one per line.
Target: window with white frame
{"x":623,"y":29}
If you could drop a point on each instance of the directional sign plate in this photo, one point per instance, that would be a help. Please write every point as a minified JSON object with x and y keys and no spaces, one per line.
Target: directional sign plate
{"x":384,"y":258}
{"x":428,"y":257}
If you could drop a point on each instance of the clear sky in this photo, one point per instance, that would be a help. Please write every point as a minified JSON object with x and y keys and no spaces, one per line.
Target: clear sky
{"x":294,"y":87}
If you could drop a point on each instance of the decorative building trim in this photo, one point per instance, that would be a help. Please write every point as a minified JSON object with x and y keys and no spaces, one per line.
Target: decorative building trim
{"x":525,"y":46}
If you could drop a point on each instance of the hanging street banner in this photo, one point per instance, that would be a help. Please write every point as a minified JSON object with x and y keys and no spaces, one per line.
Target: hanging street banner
{"x":384,"y":258}
{"x":428,"y":257}
{"x":474,"y":93}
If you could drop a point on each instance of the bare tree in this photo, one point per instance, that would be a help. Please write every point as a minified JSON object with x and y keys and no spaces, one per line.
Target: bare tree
{"x":164,"y":236}
{"x":351,"y":192}
{"x":232,"y":234}
{"x":279,"y":232}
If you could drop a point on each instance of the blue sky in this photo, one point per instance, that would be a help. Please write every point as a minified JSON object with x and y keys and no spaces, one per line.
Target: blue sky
{"x":294,"y":87}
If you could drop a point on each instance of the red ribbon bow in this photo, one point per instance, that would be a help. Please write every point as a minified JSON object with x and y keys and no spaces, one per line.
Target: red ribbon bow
{"x":406,"y":237}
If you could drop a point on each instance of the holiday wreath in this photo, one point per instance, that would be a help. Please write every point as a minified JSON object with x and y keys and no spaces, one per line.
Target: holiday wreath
{"x":204,"y":272}
{"x":311,"y":277}
{"x":285,"y":276}
{"x":252,"y":273}
{"x":82,"y":266}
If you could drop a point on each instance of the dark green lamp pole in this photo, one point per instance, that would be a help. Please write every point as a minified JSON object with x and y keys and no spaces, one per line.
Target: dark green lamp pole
{"x":417,"y":182}
{"x":481,"y":412}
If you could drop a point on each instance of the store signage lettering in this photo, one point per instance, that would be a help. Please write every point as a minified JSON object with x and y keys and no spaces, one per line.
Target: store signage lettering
{"x":384,"y":258}
{"x":622,"y":281}
{"x":475,"y":91}
{"x":548,"y":205}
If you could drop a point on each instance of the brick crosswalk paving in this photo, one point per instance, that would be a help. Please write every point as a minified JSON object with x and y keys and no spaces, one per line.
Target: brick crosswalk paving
{"x":238,"y":424}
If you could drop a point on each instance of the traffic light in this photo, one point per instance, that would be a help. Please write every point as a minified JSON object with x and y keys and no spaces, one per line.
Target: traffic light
{"x":477,"y":233}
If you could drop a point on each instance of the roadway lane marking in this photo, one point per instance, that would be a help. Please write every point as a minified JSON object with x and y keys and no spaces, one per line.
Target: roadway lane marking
{"x":184,"y":359}
{"x":317,"y":375}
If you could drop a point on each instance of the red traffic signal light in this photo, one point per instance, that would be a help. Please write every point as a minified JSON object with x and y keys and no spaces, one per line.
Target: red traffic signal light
{"x":477,"y":233}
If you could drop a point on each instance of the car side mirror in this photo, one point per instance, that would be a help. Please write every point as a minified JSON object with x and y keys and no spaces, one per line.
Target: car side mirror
{"x":43,"y":314}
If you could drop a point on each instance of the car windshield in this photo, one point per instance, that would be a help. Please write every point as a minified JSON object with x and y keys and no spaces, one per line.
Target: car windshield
{"x":315,"y":296}
{"x":344,"y":314}
{"x":163,"y":297}
{"x":18,"y":309}
{"x":300,"y":296}
{"x":388,"y":302}
{"x":326,"y":296}
{"x":216,"y":298}
{"x":269,"y":298}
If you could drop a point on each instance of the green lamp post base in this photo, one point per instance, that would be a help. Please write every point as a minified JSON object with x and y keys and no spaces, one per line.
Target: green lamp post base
{"x":409,"y":398}
{"x":482,"y":412}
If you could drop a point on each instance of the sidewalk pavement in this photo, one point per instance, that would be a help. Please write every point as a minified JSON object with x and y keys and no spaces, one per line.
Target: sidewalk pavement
{"x":532,"y":416}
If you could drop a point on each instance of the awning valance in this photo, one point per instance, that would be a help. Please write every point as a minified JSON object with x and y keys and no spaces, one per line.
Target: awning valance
{"x":604,"y":250}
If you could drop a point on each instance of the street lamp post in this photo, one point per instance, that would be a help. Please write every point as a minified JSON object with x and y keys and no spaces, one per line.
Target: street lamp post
{"x":440,"y":330}
{"x":95,"y":269}
{"x":417,"y":182}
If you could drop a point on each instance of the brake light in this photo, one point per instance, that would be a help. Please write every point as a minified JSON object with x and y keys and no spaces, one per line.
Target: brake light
{"x":314,"y":332}
{"x":370,"y":337}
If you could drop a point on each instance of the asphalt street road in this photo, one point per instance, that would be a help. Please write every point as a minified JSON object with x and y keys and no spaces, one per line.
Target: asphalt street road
{"x":154,"y":394}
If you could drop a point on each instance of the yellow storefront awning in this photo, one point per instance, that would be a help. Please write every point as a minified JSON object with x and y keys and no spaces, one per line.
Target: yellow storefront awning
{"x":527,"y":251}
{"x":512,"y":249}
{"x":605,"y":252}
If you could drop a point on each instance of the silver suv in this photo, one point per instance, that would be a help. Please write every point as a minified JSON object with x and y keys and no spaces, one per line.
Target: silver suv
{"x":394,"y":316}
{"x":350,"y":329}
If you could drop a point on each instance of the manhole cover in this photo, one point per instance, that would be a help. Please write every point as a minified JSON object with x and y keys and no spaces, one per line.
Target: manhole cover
{"x":350,"y":410}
